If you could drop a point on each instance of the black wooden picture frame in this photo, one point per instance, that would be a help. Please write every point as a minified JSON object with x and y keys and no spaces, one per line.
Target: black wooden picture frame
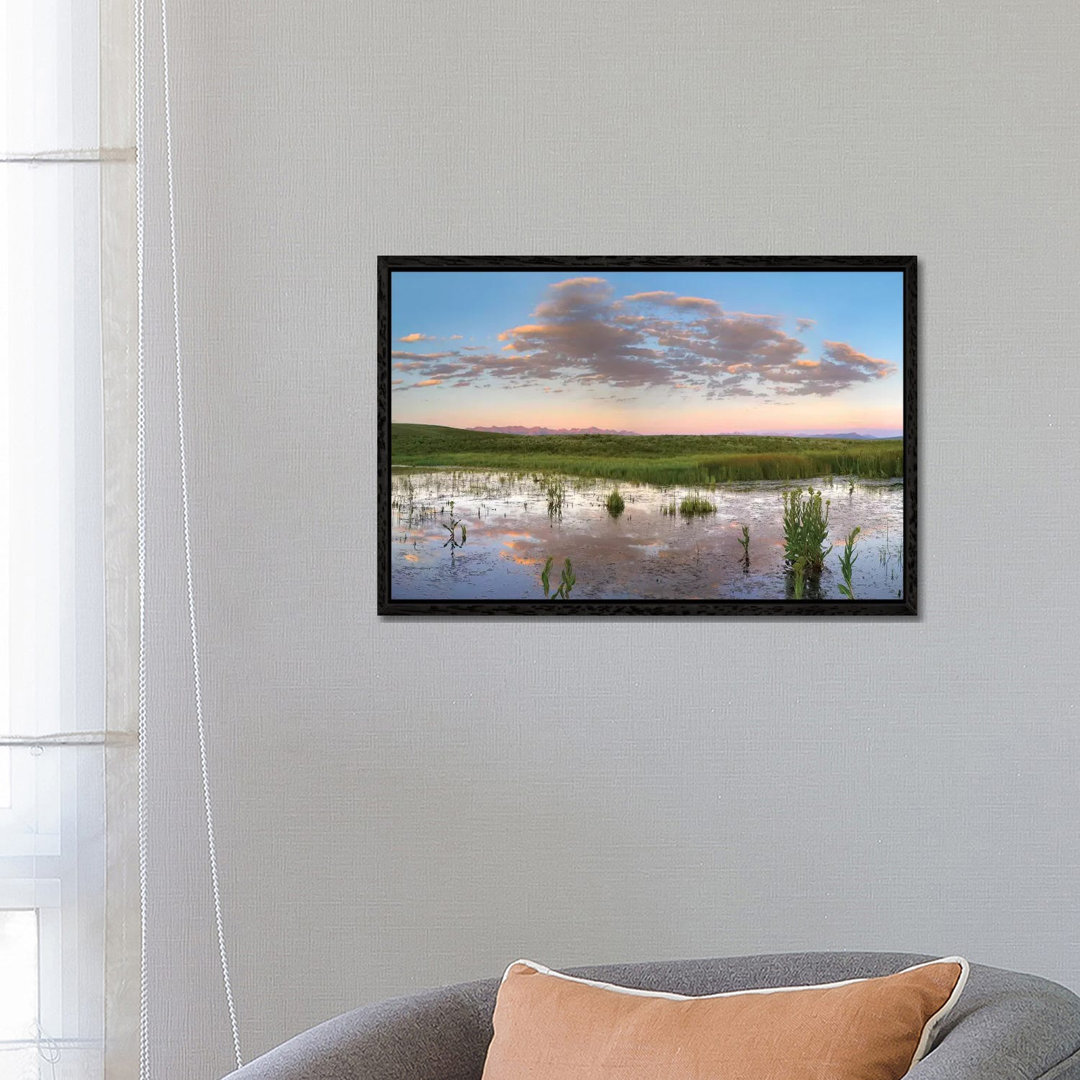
{"x":392,"y":540}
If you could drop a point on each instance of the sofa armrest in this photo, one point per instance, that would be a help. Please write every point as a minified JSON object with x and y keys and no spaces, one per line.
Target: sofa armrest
{"x":1007,"y":1026}
{"x":441,"y":1034}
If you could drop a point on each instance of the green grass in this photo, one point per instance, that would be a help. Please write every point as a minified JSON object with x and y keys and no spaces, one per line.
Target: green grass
{"x":695,"y":504}
{"x":648,"y":459}
{"x":798,"y":568}
{"x":615,"y":503}
{"x":847,"y":563}
{"x":806,"y":531}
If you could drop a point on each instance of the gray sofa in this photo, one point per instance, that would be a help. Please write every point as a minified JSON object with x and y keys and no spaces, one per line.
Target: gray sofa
{"x":1005,"y":1026}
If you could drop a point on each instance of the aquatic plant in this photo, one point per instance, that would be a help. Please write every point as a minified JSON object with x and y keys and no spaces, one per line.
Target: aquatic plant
{"x":555,"y":491}
{"x":455,"y":527}
{"x":806,"y":529}
{"x":615,"y":503}
{"x":406,"y":490}
{"x":670,"y":509}
{"x":566,"y":582}
{"x":847,"y":562}
{"x":745,"y":541}
{"x":891,"y":556}
{"x":799,"y":570}
{"x":695,"y":504}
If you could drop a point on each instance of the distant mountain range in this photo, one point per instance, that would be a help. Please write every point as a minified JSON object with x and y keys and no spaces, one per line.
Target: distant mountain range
{"x":516,"y":429}
{"x":835,"y":434}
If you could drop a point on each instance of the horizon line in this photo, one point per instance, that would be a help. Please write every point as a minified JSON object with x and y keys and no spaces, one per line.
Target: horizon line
{"x":878,"y":432}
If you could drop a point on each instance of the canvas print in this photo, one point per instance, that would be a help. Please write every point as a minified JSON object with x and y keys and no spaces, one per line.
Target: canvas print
{"x":647,"y":436}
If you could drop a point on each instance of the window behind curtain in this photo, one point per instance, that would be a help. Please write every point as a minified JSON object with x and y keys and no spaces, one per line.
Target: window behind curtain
{"x":52,"y":606}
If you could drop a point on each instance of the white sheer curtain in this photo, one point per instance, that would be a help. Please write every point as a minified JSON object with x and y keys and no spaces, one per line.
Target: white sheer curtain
{"x":54,"y":213}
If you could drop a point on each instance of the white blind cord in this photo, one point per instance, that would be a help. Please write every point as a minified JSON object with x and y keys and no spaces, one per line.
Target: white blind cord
{"x":140,"y":454}
{"x":181,"y":444}
{"x":140,"y":200}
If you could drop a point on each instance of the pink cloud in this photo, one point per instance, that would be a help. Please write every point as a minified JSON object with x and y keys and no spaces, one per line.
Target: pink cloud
{"x":842,"y":353}
{"x":580,"y":332}
{"x":576,"y":282}
{"x":670,"y":299}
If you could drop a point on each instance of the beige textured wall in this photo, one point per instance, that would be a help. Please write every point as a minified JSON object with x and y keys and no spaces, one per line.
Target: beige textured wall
{"x":404,"y":804}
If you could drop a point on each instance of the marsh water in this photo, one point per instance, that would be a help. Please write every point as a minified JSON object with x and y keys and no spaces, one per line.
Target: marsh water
{"x":513,"y":523}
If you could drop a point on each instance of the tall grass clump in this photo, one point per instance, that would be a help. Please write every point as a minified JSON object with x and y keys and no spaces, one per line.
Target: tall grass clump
{"x":847,"y":563}
{"x":615,"y":503}
{"x":695,"y":504}
{"x":806,"y":530}
{"x":798,"y":568}
{"x":555,"y":491}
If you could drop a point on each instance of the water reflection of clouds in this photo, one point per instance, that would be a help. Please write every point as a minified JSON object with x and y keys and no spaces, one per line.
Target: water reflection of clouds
{"x":642,"y":553}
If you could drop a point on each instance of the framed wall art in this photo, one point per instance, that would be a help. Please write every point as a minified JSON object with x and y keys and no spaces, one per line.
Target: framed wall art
{"x":647,"y":436}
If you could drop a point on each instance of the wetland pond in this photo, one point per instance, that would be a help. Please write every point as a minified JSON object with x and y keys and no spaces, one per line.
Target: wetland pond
{"x":515,"y":522}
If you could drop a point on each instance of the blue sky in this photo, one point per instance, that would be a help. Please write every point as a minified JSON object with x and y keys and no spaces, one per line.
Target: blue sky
{"x":654,"y":352}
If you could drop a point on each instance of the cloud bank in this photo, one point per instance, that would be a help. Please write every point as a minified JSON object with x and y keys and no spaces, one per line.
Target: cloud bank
{"x":581,"y":332}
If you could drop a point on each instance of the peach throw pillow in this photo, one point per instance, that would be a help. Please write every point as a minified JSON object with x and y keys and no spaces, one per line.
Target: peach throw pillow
{"x":550,"y":1026}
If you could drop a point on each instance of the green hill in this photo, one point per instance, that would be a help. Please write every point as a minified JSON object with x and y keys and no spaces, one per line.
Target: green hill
{"x":650,"y":459}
